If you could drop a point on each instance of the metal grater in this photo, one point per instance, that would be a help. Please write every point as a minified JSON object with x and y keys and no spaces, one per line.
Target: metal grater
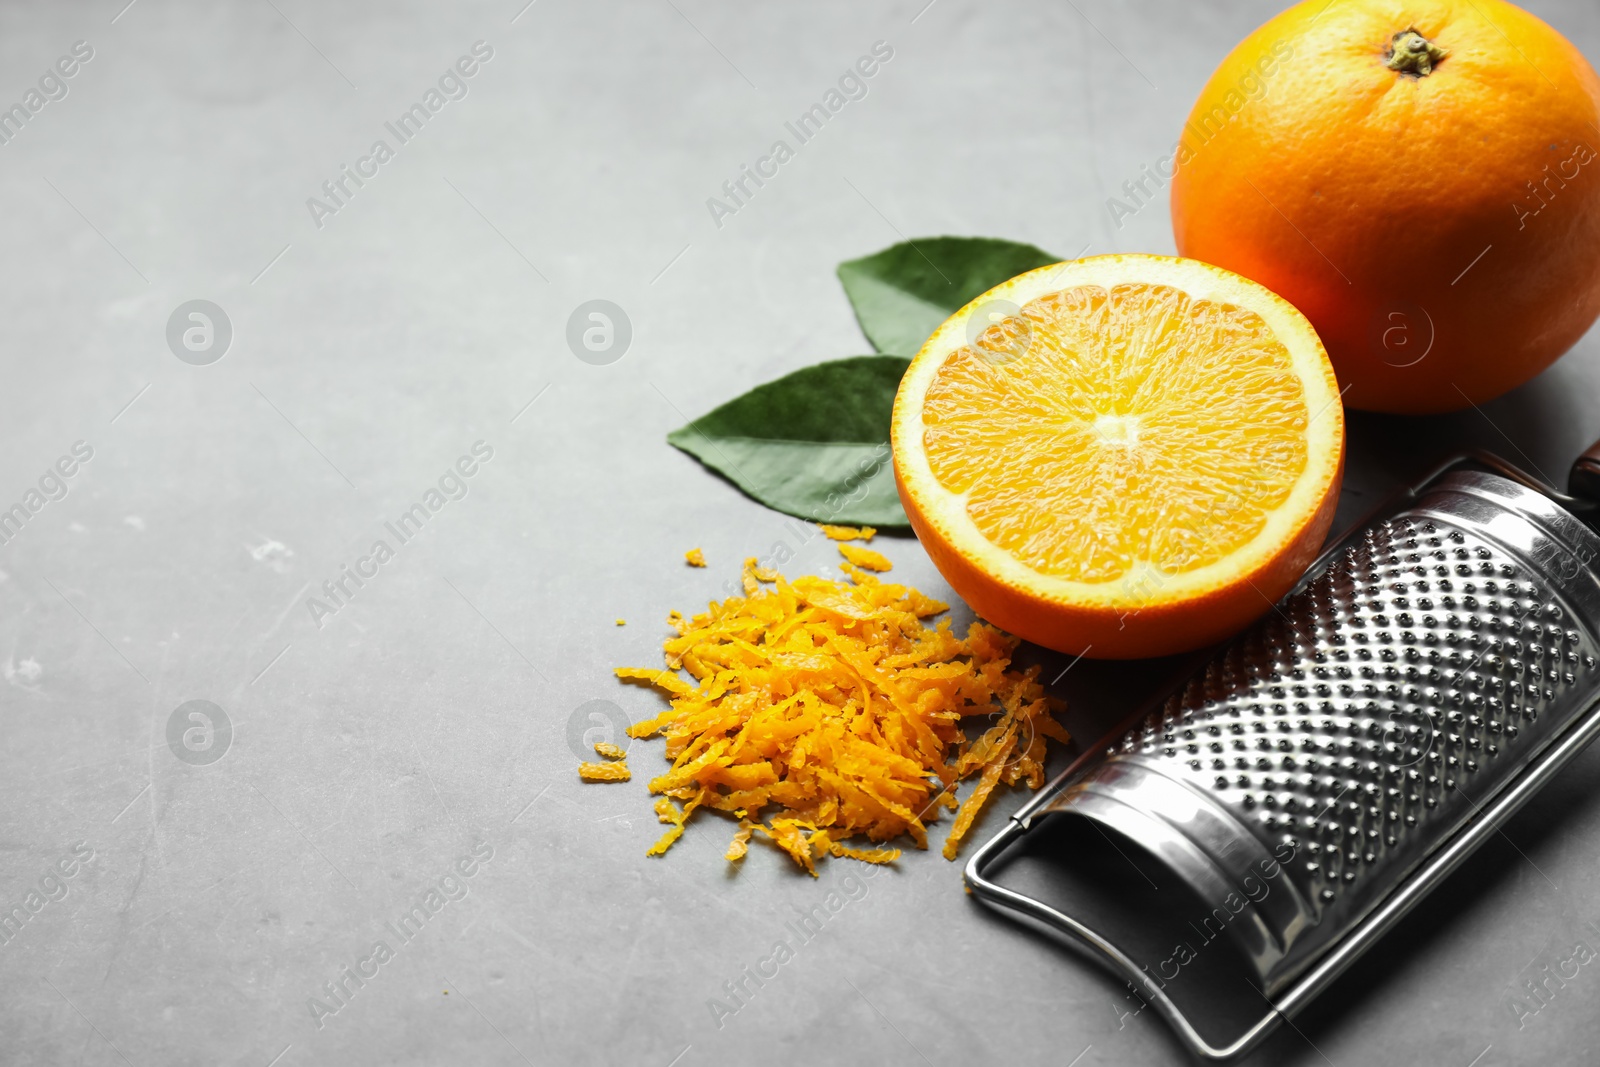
{"x":1428,"y":674}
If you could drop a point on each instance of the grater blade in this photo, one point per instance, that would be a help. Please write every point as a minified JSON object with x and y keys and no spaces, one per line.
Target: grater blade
{"x":1316,"y":775}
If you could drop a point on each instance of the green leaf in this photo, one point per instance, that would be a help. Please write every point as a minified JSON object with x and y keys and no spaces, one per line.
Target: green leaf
{"x":902,"y":294}
{"x":813,"y":444}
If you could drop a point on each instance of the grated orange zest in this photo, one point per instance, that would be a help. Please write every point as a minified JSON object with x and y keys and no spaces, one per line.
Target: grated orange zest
{"x":616,"y":771}
{"x":740,"y":843}
{"x":695,"y":558}
{"x":847,"y":533}
{"x":824,"y":710}
{"x":661,"y":679}
{"x":669,"y":812}
{"x":866,"y":855}
{"x":610,"y":751}
{"x":865,"y":558}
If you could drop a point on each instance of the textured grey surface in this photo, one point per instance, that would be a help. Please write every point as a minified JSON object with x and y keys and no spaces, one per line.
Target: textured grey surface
{"x":431,"y":714}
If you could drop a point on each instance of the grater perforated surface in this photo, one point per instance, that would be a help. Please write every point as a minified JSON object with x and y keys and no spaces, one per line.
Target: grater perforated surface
{"x":1357,"y":709}
{"x":1366,"y":717}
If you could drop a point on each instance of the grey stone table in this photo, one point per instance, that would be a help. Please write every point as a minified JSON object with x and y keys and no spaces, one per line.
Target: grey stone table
{"x":396,"y":766}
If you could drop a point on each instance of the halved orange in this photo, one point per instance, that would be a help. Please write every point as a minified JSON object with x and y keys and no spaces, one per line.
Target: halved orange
{"x":1121,"y":456}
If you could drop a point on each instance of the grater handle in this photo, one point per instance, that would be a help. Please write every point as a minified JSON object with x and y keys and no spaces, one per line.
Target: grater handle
{"x":1584,"y":478}
{"x":1103,"y":951}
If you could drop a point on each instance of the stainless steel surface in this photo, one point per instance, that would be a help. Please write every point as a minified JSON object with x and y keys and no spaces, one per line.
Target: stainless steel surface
{"x":1365,"y":735}
{"x":1048,"y":920}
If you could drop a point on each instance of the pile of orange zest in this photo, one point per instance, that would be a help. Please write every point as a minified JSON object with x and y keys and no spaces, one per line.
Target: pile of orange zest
{"x":865,"y":557}
{"x":695,"y":558}
{"x":847,"y":533}
{"x":824,"y":710}
{"x":615,"y":770}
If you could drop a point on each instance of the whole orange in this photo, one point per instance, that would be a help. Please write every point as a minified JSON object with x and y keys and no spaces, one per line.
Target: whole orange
{"x":1421,"y":179}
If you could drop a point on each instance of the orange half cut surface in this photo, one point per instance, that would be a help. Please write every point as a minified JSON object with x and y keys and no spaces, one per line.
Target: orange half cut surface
{"x":1121,"y":456}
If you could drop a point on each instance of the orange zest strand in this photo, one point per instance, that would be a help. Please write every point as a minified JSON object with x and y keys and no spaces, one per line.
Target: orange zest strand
{"x":615,"y":771}
{"x":865,"y":558}
{"x":847,"y":533}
